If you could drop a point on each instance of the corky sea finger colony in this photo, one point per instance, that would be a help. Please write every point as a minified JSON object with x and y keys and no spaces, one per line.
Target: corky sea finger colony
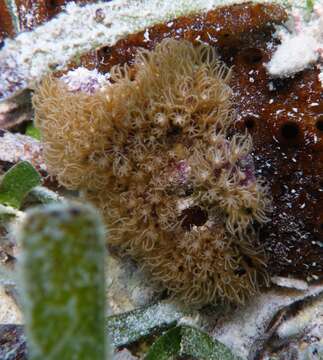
{"x":157,"y":152}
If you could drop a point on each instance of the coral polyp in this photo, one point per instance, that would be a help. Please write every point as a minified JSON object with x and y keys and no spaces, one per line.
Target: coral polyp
{"x":157,"y":151}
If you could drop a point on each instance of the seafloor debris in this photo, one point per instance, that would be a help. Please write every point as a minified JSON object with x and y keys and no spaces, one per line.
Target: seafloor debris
{"x":247,"y":331}
{"x":15,"y":111}
{"x":12,"y":342}
{"x":296,"y":331}
{"x":255,"y":332}
{"x":18,"y":147}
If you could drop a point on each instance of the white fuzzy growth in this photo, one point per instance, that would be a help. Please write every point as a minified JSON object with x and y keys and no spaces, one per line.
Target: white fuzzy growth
{"x":82,"y":79}
{"x":302,"y":44}
{"x":293,"y":55}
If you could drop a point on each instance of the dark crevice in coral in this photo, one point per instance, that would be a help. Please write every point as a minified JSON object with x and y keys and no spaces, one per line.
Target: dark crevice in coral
{"x":252,"y":56}
{"x":189,"y":191}
{"x":250,"y":122}
{"x":240,"y":272}
{"x":249,"y":211}
{"x":319,"y":123}
{"x":289,"y":131}
{"x":174,"y":131}
{"x":193,"y":216}
{"x":279,"y":84}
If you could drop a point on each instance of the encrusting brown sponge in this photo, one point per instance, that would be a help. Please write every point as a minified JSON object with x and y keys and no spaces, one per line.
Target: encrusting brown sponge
{"x":157,"y":152}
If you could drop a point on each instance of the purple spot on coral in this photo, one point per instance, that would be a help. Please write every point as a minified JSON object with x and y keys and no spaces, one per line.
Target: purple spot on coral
{"x":183,"y":170}
{"x":247,"y":166}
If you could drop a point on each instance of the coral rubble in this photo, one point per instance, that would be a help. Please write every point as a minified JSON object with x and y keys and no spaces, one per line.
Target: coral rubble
{"x":157,"y":152}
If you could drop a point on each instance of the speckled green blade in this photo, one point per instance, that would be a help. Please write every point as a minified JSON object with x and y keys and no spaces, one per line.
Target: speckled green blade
{"x":201,"y":346}
{"x":62,"y":273}
{"x":17,"y":182}
{"x":188,"y":341}
{"x":131,"y":326}
{"x":166,"y":346}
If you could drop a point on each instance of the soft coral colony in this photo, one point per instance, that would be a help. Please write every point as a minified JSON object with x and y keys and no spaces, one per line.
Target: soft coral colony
{"x":157,"y":151}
